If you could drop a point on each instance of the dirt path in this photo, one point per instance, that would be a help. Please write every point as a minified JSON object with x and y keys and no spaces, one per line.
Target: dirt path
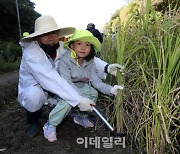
{"x":9,"y":77}
{"x":13,"y":128}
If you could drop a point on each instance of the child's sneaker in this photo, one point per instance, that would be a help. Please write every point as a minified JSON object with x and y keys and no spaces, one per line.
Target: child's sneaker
{"x":49,"y":132}
{"x":83,"y":121}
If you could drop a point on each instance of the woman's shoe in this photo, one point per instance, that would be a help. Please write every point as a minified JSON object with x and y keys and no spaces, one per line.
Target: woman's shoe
{"x":33,"y":130}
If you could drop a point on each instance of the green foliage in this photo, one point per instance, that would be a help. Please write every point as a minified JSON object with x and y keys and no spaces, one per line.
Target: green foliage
{"x":136,"y":9}
{"x":8,"y":15}
{"x":10,"y":51}
{"x":8,"y":66}
{"x":150,"y":102}
{"x":122,"y":15}
{"x":165,"y":5}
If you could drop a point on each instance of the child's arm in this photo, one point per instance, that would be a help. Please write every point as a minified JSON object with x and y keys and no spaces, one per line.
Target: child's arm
{"x":101,"y":86}
{"x":98,"y":83}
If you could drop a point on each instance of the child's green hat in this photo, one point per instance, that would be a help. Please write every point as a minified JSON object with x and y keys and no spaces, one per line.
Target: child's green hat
{"x":86,"y":36}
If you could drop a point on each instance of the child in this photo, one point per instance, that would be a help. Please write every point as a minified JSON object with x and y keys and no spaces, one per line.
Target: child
{"x":77,"y":67}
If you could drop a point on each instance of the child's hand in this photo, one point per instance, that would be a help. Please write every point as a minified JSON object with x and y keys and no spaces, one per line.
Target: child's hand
{"x":114,"y":90}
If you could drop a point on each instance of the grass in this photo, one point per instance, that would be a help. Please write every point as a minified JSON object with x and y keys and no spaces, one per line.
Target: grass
{"x":8,"y":66}
{"x":148,"y":108}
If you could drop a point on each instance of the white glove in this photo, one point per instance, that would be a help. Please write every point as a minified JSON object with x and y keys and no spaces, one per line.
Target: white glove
{"x":114,"y":90}
{"x":86,"y":104}
{"x":112,"y":69}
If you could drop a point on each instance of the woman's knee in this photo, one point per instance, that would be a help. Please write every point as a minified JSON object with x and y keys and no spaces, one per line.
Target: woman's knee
{"x":33,"y":98}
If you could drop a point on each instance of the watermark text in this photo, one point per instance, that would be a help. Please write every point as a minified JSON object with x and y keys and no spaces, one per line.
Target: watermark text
{"x":102,"y":142}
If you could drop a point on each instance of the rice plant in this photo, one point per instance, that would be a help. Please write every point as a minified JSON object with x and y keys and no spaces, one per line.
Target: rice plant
{"x":149,"y":106}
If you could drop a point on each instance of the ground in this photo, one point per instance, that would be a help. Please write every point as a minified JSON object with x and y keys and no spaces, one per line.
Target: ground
{"x":13,"y":127}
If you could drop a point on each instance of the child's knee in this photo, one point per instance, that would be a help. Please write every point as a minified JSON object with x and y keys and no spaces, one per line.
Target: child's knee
{"x":94,"y":92}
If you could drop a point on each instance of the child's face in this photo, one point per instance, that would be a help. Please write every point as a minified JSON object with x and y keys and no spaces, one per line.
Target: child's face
{"x":82,"y":49}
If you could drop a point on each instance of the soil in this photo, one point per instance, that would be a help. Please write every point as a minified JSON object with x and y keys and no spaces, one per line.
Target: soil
{"x":13,"y":126}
